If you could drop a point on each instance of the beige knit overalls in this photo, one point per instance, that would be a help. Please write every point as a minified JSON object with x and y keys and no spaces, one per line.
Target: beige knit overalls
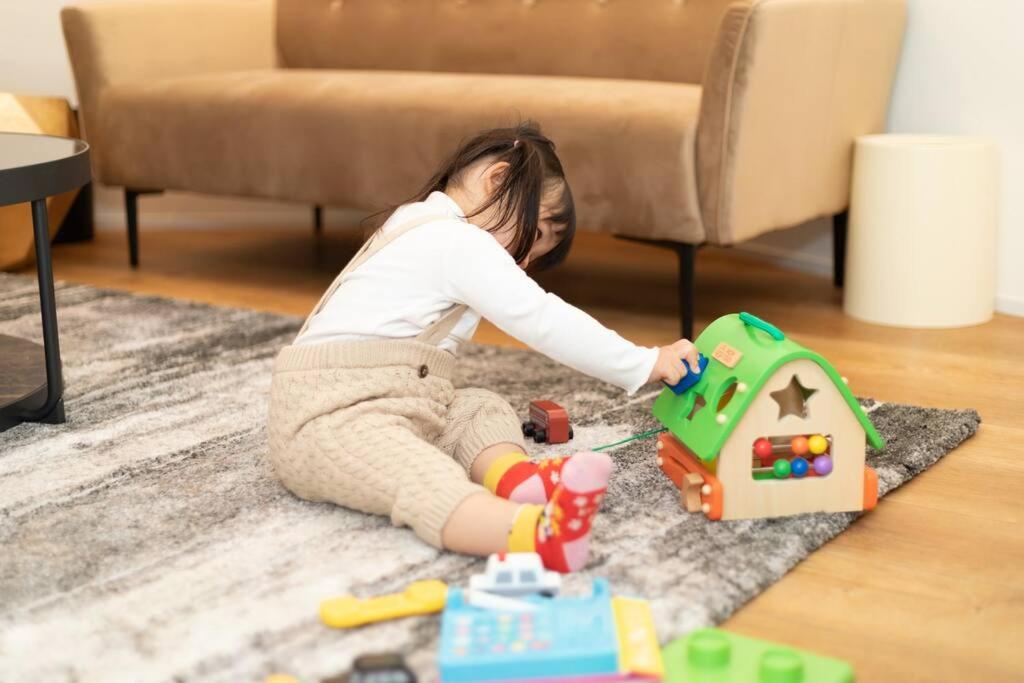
{"x":377,"y":425}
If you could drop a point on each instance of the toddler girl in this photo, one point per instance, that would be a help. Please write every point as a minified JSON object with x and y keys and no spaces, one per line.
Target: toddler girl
{"x":363,"y":412}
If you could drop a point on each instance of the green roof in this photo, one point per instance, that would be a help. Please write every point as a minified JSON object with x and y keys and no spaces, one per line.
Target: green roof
{"x":764,"y":350}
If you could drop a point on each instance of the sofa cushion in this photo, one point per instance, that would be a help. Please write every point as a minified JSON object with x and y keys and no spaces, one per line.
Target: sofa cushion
{"x":658,"y":40}
{"x":369,"y":139}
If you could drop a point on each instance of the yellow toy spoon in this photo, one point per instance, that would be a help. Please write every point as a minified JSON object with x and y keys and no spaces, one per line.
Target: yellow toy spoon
{"x":420,"y":597}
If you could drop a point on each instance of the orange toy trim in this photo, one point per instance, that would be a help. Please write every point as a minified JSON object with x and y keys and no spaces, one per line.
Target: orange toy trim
{"x":676,"y":472}
{"x":676,"y":462}
{"x":870,"y":488}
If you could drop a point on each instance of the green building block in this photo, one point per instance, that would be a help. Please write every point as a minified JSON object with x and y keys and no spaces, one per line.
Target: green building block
{"x":713,"y":656}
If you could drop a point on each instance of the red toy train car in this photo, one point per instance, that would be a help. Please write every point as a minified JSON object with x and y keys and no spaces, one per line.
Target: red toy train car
{"x":547,"y":422}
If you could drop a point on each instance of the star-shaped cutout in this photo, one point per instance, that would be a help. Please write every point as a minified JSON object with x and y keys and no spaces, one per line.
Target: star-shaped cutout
{"x":792,"y":398}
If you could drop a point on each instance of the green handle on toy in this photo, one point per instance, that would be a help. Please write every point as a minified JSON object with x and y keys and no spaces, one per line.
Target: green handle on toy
{"x":754,"y":321}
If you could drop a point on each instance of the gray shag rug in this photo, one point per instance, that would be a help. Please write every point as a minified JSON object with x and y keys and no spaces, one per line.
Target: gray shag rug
{"x":148,"y":540}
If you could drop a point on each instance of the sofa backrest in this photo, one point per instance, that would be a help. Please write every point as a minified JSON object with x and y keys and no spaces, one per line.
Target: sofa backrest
{"x":662,"y":40}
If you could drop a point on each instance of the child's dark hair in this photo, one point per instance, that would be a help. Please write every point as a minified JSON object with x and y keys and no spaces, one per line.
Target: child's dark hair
{"x":533,"y":169}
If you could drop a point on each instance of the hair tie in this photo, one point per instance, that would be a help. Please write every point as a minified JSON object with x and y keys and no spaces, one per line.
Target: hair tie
{"x":515,"y":143}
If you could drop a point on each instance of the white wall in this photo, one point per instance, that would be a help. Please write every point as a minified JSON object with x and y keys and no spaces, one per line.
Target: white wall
{"x":961,"y":70}
{"x":32,"y":57}
{"x":961,"y":73}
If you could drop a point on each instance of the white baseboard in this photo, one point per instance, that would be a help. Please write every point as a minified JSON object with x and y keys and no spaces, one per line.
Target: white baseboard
{"x":196,"y":211}
{"x":111,"y":218}
{"x":1010,"y":305}
{"x":298,"y":218}
{"x":803,"y":262}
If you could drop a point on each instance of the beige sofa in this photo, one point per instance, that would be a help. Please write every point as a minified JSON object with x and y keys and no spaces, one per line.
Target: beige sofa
{"x":682,"y":122}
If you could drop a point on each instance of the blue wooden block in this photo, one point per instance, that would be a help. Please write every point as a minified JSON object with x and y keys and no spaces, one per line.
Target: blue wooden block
{"x":691,"y":377}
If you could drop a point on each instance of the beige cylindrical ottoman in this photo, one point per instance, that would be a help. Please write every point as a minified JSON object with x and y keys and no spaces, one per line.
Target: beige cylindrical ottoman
{"x":922,"y":230}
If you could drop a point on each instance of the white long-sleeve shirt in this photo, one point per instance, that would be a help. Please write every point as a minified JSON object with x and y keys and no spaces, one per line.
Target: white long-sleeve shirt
{"x":399,"y":291}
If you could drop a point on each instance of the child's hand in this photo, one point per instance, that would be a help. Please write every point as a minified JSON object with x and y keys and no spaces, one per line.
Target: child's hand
{"x":670,"y":367}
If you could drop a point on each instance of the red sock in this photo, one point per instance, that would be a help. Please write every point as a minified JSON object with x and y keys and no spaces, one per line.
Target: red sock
{"x":562,"y":527}
{"x":514,"y":477}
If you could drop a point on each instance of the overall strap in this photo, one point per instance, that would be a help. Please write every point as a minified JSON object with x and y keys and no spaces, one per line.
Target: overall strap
{"x":434,"y":333}
{"x":438,"y":331}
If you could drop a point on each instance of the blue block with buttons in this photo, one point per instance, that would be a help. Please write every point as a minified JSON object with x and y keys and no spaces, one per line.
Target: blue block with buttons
{"x":563,"y":637}
{"x":691,"y":377}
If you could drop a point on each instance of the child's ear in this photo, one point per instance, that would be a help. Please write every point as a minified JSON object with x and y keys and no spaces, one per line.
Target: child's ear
{"x":493,"y":176}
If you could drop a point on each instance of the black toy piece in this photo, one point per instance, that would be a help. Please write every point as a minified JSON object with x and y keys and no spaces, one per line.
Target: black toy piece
{"x":384,"y":667}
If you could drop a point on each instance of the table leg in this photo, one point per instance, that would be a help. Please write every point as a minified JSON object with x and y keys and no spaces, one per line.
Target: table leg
{"x":52,"y":409}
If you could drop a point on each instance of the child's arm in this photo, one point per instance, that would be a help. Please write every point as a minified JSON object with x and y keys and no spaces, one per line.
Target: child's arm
{"x":481,"y":274}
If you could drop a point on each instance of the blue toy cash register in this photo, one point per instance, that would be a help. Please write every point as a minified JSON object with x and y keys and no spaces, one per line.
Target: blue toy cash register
{"x":596,"y":637}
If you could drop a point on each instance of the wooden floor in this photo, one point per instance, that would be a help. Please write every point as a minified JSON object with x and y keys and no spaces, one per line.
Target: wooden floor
{"x":929,"y":586}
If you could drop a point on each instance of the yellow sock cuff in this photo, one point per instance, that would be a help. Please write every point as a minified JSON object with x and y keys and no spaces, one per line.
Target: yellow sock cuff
{"x":498,"y":468}
{"x":523,"y":536}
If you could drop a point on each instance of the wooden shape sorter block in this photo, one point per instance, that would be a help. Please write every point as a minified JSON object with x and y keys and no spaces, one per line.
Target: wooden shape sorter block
{"x":692,"y":484}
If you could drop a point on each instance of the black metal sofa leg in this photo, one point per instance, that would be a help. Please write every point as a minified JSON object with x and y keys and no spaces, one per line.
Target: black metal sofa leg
{"x":687,"y":261}
{"x":131,"y":209}
{"x":839,"y":223}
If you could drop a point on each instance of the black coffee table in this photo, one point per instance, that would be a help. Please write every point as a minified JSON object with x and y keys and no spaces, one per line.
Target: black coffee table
{"x":32,"y":168}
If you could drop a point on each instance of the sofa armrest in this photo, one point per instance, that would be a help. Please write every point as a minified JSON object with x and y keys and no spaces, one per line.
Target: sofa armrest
{"x":789,"y":85}
{"x":120,"y":42}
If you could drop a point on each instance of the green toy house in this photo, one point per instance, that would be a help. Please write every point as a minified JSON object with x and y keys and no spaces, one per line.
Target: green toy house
{"x":770,"y":429}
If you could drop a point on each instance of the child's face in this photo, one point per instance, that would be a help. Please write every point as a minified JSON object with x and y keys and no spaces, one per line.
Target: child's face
{"x":480,"y":182}
{"x":549,"y":234}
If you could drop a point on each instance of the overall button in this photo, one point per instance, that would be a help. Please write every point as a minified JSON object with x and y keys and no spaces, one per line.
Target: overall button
{"x":424,"y":371}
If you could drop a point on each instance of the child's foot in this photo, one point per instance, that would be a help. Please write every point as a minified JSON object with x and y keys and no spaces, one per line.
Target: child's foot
{"x":562,"y":528}
{"x":519,"y":480}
